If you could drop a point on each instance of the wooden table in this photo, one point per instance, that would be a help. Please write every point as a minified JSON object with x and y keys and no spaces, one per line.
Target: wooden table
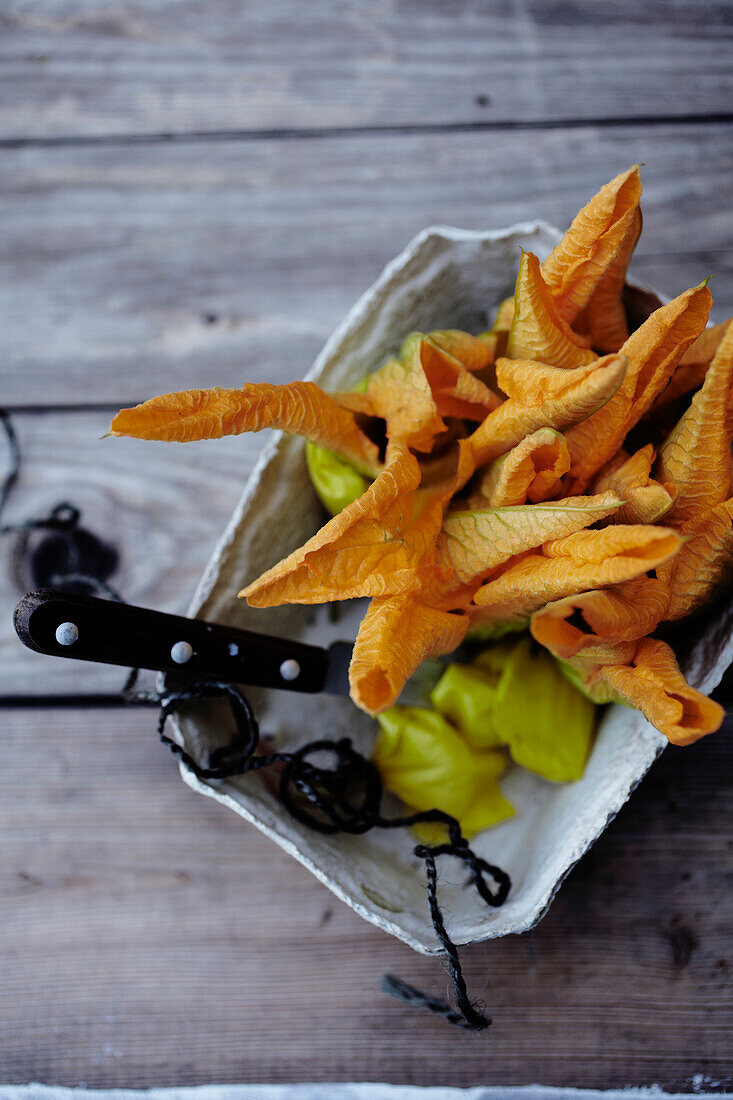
{"x":195,"y":194}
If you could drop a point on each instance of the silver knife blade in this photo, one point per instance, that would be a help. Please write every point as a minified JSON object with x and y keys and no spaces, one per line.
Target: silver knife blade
{"x":415,"y":693}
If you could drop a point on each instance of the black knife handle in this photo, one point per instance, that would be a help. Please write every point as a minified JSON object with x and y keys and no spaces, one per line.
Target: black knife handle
{"x":89,"y":629}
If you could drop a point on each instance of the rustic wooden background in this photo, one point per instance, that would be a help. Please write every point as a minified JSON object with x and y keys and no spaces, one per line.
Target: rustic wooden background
{"x":195,"y":194}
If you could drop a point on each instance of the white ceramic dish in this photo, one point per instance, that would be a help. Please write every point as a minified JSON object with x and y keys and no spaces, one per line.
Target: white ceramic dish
{"x":445,"y":278}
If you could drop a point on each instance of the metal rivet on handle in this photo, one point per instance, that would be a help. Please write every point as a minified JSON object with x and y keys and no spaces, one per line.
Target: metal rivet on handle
{"x":290,"y":669}
{"x":67,"y":633}
{"x":181,"y":652}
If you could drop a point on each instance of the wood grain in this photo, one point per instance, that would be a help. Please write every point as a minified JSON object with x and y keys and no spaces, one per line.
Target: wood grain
{"x":149,"y":66}
{"x":160,"y":507}
{"x":132,"y":270}
{"x":149,"y":936}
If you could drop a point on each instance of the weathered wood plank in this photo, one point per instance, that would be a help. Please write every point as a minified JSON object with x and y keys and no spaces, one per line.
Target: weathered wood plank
{"x":161,"y":509}
{"x":150,"y":936}
{"x":150,"y":66}
{"x":129,"y":270}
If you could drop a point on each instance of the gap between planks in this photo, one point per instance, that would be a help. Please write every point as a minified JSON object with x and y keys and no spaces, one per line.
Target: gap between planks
{"x":157,"y":262}
{"x":316,"y":133}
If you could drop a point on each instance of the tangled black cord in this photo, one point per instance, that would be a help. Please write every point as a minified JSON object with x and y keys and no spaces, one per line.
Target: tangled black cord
{"x":343,"y":798}
{"x":346,"y":798}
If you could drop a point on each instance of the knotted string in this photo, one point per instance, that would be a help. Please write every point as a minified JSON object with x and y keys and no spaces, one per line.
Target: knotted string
{"x":345,"y":798}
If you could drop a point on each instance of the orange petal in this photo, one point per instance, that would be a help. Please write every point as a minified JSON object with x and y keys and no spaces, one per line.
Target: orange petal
{"x":586,"y":253}
{"x":704,"y":563}
{"x":655,"y":686}
{"x":538,"y":331}
{"x":623,"y":613}
{"x":652,"y":351}
{"x":300,"y":408}
{"x":456,"y":390}
{"x":693,"y":365}
{"x":646,"y":500}
{"x":625,"y":471}
{"x":499,"y":334}
{"x":625,"y":540}
{"x":375,"y":546}
{"x":448,"y":472}
{"x":550,"y":398}
{"x":354,"y":402}
{"x":427,"y":382}
{"x":646,"y":503}
{"x":396,"y":635}
{"x":504,"y":316}
{"x":695,"y":457}
{"x":474,"y":543}
{"x":533,"y":383}
{"x":495,"y":343}
{"x":591,"y":560}
{"x":472,"y":352}
{"x":587,"y":674}
{"x":400,"y":393}
{"x":529,"y":472}
{"x":592,"y":659}
{"x":604,"y":318}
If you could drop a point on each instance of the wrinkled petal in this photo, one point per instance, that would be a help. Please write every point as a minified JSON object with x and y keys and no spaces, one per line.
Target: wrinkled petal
{"x":457,"y":392}
{"x":623,"y":613}
{"x":498,"y":335}
{"x":471,"y":352}
{"x":654,"y":685}
{"x":300,"y":408}
{"x":585,"y":670}
{"x":629,"y":540}
{"x":579,"y":563}
{"x":693,"y":366}
{"x":538,"y":331}
{"x":594,"y":240}
{"x":427,"y":382}
{"x":375,"y":546}
{"x":585,"y":676}
{"x":624,"y":470}
{"x":529,"y":472}
{"x":533,"y":383}
{"x":400,"y":393}
{"x":471,"y":544}
{"x":646,"y":503}
{"x":550,"y":399}
{"x":695,"y":457}
{"x":704,"y":563}
{"x":495,"y":344}
{"x":645,"y":500}
{"x":653,"y":352}
{"x":504,"y":316}
{"x":603,"y":320}
{"x":396,"y":635}
{"x":355,"y":402}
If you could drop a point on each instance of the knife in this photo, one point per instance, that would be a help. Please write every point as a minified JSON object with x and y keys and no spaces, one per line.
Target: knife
{"x":86,"y":628}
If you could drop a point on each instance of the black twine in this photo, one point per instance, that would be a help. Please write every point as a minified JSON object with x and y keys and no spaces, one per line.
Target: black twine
{"x":346,"y":798}
{"x":343,"y":798}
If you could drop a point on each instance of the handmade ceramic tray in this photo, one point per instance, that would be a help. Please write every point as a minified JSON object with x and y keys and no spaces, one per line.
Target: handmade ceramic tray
{"x":445,"y":278}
